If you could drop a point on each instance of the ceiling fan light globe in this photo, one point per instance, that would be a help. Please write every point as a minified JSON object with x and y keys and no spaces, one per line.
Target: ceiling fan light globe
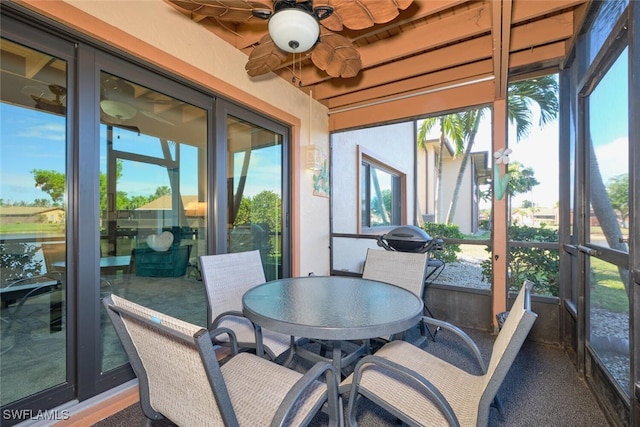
{"x":117,"y":109}
{"x":294,"y":30}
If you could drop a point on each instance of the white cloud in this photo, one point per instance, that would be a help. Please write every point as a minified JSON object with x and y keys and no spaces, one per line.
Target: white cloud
{"x":613,"y":158}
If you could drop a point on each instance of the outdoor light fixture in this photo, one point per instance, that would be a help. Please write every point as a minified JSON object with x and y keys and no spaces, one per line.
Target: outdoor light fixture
{"x":294,"y":30}
{"x":315,"y":158}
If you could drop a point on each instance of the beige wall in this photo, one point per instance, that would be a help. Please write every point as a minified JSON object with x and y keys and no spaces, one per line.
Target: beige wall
{"x":427,"y":180}
{"x":155,"y":32}
{"x":393,"y":144}
{"x":462,"y":217}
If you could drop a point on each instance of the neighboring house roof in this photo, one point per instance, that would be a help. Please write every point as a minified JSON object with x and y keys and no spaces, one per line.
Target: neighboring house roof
{"x":479,"y":158}
{"x":192,"y":207}
{"x":483,"y":172}
{"x":164,"y":203}
{"x":27,"y":210}
{"x":436,"y":142}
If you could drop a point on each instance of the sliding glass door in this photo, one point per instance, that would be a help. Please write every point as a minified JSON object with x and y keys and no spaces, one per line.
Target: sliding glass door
{"x":114,"y":179}
{"x":153,"y":191}
{"x":35,"y":327}
{"x":257,"y":202}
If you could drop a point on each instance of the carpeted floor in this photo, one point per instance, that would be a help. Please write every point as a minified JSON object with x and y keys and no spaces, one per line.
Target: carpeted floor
{"x":542,"y":388}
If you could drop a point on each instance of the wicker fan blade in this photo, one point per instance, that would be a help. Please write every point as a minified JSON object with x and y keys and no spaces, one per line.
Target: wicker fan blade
{"x":227,"y":10}
{"x":265,"y":57}
{"x":357,"y":15}
{"x":336,"y":55}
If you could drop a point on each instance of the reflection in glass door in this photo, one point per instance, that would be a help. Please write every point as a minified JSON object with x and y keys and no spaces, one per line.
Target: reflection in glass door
{"x":33,"y":213}
{"x":254,"y":183}
{"x":608,"y":224}
{"x":153,"y":203}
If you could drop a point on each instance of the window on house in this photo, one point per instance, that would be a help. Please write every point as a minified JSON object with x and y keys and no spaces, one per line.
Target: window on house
{"x":382,"y":189}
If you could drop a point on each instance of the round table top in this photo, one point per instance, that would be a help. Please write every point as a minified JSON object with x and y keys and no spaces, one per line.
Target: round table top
{"x":332,"y":307}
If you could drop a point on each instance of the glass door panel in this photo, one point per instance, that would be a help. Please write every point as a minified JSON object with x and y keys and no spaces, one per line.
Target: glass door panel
{"x":608,"y":224}
{"x":33,"y":212}
{"x":254,"y":179}
{"x":153,"y":203}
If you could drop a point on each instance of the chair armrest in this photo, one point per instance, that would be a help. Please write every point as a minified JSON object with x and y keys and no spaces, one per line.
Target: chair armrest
{"x":404,"y":374}
{"x":37,"y":280}
{"x":238,"y":314}
{"x":213,"y":333}
{"x":300,"y":388}
{"x":231,"y":313}
{"x":462,"y":335}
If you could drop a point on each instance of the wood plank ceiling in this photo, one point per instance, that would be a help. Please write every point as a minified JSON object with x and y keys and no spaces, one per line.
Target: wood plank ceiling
{"x":432,"y":46}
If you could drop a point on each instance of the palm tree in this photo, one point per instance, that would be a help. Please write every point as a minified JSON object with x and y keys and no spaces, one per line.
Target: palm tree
{"x":450,"y":129}
{"x":470,"y":122}
{"x":522,"y":95}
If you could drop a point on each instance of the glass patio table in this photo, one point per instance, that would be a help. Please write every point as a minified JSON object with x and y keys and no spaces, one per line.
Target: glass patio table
{"x":331,"y":308}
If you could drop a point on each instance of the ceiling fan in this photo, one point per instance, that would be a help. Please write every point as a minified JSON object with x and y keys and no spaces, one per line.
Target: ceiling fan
{"x":43,"y":100}
{"x":118,"y":102}
{"x":294,"y":27}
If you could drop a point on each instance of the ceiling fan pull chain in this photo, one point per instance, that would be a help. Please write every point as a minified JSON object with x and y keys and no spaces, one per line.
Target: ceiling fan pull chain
{"x":300,"y":69}
{"x":293,"y":69}
{"x":296,"y":77}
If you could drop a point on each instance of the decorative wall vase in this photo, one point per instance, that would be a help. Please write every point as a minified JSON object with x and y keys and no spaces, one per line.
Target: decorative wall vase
{"x":321,"y":181}
{"x":500,"y":183}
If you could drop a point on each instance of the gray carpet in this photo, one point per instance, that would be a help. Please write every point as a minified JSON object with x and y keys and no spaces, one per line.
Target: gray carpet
{"x":542,"y":388}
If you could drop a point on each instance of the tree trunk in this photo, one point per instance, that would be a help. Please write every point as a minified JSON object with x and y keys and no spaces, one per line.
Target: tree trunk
{"x":438,"y":204}
{"x":463,"y":167}
{"x":603,"y":210}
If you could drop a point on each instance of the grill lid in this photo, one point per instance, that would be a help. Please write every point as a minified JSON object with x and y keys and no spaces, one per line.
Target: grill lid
{"x":407,"y":238}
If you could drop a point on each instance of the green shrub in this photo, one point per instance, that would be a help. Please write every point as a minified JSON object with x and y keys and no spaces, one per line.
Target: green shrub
{"x":449,"y":252}
{"x":536,"y":264}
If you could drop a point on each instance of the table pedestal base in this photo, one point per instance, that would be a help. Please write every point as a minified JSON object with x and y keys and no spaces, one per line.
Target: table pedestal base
{"x":337,"y":358}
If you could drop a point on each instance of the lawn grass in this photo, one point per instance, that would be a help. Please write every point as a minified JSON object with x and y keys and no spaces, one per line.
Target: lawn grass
{"x":607,"y":290}
{"x":25,"y":228}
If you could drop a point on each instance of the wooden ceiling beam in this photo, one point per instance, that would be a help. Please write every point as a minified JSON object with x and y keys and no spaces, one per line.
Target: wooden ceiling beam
{"x":525,"y":10}
{"x":465,"y":25}
{"x":536,"y":33}
{"x":530,"y":35}
{"x":452,"y":76}
{"x":417,"y":11}
{"x":542,"y":57}
{"x":450,"y":56}
{"x":542,"y":33}
{"x":450,"y":29}
{"x":501,"y":33}
{"x":538,"y":57}
{"x":420,"y":105}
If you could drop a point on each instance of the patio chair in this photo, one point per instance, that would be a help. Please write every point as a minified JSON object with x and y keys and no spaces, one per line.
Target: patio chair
{"x":54,"y":253}
{"x":422,"y":389}
{"x":30,"y":304}
{"x":404,"y":269}
{"x":180,"y":378}
{"x":226,"y":278}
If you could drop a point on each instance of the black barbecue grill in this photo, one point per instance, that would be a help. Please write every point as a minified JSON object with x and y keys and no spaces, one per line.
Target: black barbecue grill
{"x":409,"y":238}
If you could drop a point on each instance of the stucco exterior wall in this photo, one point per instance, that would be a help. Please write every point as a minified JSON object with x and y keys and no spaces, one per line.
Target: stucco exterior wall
{"x":462,"y":217}
{"x":426,"y":182}
{"x":393,"y":144}
{"x":155,"y":32}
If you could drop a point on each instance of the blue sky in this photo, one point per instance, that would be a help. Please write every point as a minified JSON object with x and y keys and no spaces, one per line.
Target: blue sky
{"x":539,"y":150}
{"x":35,"y":140}
{"x":28,"y":142}
{"x":32,"y":139}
